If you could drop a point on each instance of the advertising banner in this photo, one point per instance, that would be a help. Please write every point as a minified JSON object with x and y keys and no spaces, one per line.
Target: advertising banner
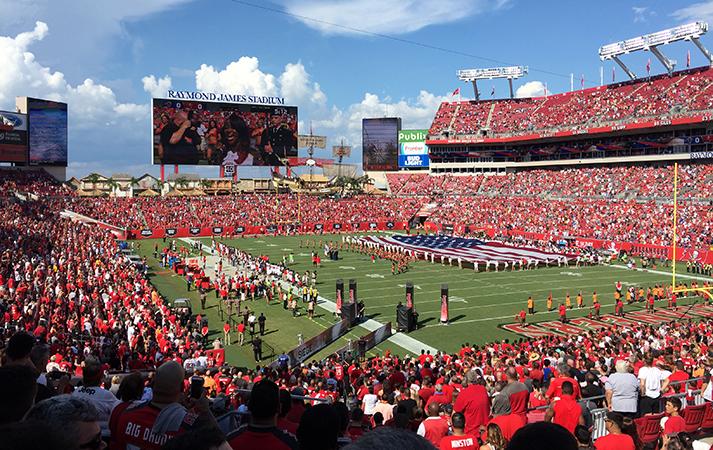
{"x":313,"y":345}
{"x":413,"y":152}
{"x":13,"y":137}
{"x":213,"y":134}
{"x":380,"y":143}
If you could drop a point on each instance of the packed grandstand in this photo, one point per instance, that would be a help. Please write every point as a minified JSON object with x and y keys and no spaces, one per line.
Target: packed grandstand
{"x":94,"y":354}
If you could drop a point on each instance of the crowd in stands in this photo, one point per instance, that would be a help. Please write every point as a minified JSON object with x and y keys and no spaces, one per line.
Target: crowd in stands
{"x":661,"y":96}
{"x":36,"y":182}
{"x":73,"y":308}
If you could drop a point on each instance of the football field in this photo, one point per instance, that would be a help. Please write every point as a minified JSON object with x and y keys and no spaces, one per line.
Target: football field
{"x":482,"y":305}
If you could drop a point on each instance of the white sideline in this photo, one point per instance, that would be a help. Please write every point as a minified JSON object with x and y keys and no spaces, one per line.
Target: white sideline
{"x":402,"y":340}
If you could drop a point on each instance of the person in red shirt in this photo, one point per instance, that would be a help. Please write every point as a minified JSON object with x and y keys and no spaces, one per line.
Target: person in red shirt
{"x":262,"y":431}
{"x":565,"y":411}
{"x":473,"y":402}
{"x":143,"y":425}
{"x":555,"y":389}
{"x":615,"y":439}
{"x":459,"y":439}
{"x":226,"y":333}
{"x":563,"y":313}
{"x":677,"y":378}
{"x":434,"y":427}
{"x":674,"y":422}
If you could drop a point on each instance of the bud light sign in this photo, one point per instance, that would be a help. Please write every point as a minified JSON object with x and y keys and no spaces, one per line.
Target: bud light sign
{"x":413,"y":160}
{"x":412,"y":148}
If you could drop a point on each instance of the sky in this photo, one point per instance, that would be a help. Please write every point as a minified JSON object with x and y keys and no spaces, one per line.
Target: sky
{"x":338,"y":61}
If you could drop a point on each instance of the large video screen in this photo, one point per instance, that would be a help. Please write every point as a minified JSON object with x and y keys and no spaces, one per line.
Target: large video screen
{"x":13,"y":137}
{"x":48,"y":132}
{"x":209,"y":133}
{"x":380,"y":143}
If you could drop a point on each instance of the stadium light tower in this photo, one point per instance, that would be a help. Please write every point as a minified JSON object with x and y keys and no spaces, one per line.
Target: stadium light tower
{"x":473,"y":75}
{"x":651,"y":42}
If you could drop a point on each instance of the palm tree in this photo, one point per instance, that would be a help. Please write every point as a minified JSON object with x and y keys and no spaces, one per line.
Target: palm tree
{"x":93,"y":178}
{"x":181,"y":182}
{"x":113,"y":185}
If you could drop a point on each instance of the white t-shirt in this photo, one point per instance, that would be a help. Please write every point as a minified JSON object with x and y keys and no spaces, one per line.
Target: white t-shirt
{"x":104,"y":401}
{"x":370,"y":401}
{"x":652,"y":376}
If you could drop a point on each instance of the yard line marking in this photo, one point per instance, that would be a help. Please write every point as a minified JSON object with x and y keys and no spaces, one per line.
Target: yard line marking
{"x":660,"y":272}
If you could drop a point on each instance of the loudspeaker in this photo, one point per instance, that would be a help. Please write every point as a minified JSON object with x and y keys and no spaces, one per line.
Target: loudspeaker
{"x":349,"y":313}
{"x":409,"y":294}
{"x":352,"y":291}
{"x":340,"y":292}
{"x":405,"y":318}
{"x":444,"y":303}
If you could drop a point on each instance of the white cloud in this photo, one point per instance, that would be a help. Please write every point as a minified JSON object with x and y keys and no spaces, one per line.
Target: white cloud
{"x":697,"y":11}
{"x":156,"y":87}
{"x":84,"y":32}
{"x":640,"y":13}
{"x":243,"y":75}
{"x":385,"y":16}
{"x":22,"y":75}
{"x":530,"y":89}
{"x":296,"y":87}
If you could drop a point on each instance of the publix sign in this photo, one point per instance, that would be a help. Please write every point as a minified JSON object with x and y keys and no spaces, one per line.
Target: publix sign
{"x":412,"y":148}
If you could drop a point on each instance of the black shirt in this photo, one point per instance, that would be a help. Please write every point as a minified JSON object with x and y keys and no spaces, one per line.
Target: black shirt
{"x":185,"y":151}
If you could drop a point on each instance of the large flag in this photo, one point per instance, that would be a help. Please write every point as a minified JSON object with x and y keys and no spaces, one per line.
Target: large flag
{"x":469,"y":250}
{"x":688,"y":58}
{"x":648,"y":66}
{"x":456,"y":92}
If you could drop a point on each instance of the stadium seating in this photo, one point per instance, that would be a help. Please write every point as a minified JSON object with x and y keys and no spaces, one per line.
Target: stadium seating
{"x":662,"y":96}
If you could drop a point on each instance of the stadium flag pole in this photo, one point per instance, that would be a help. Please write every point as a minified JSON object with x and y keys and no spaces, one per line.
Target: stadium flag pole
{"x":675,"y":219}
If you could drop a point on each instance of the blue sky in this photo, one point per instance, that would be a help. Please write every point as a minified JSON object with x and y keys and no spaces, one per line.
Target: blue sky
{"x":99,"y":57}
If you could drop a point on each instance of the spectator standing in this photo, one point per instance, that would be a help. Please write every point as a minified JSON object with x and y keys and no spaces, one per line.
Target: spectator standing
{"x":565,"y":411}
{"x":653,"y":380}
{"x":622,"y":390}
{"x":262,"y":432}
{"x":615,"y":439}
{"x":473,"y":402}
{"x":261,"y":323}
{"x":91,"y":391}
{"x":459,"y":439}
{"x":434,"y":427}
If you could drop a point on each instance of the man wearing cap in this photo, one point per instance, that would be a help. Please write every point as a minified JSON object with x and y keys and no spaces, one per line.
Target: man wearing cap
{"x":473,"y":402}
{"x":91,"y":390}
{"x":262,"y":432}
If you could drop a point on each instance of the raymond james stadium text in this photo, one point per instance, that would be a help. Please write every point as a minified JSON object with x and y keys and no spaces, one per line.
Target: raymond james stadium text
{"x":234,"y":98}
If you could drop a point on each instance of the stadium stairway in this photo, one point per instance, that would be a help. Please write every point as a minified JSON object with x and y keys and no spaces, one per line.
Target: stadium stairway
{"x":490,"y":115}
{"x":453,"y":119}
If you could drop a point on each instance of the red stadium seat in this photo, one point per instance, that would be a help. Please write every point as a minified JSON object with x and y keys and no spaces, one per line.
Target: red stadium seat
{"x":693,"y":416}
{"x":707,"y":423}
{"x":649,"y":429}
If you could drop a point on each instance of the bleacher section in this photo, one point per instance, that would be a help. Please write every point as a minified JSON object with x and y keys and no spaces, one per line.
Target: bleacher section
{"x":684,"y":94}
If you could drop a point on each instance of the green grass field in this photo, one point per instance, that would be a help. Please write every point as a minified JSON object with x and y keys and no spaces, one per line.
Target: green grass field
{"x":480,"y":303}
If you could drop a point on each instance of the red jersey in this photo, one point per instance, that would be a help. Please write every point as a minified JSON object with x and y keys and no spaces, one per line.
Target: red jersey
{"x":615,"y":442}
{"x":270,"y":438}
{"x":138,"y":427}
{"x":467,"y":441}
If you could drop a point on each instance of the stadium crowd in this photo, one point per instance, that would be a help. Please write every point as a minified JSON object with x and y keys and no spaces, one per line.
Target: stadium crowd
{"x":91,"y":353}
{"x":658,"y":97}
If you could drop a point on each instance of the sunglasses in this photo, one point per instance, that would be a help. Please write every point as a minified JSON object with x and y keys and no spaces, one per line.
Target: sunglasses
{"x":94,"y":444}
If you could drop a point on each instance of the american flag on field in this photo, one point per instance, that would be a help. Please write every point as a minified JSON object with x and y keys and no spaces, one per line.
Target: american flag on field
{"x":469,"y":250}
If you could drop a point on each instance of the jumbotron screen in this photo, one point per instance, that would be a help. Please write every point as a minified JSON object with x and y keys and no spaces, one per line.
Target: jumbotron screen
{"x":380,"y":144}
{"x":213,"y":134}
{"x":48,"y":132}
